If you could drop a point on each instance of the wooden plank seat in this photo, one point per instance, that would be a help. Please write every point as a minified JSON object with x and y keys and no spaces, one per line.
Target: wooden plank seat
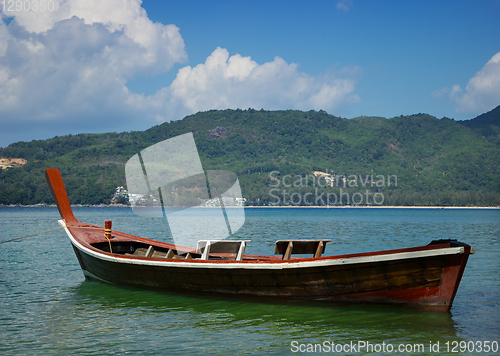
{"x":151,"y":252}
{"x":298,"y":247}
{"x":205,"y":247}
{"x":140,"y":251}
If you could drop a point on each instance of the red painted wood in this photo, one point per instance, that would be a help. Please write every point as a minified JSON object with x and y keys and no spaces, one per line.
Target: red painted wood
{"x":56,"y":184}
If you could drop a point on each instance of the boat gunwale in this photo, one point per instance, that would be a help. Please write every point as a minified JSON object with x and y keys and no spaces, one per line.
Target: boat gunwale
{"x":263,"y":261}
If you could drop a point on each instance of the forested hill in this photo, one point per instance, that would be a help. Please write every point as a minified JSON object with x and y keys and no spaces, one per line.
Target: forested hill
{"x":274,"y":153}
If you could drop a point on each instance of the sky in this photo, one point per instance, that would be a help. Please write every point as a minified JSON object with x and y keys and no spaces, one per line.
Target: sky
{"x":72,"y":66}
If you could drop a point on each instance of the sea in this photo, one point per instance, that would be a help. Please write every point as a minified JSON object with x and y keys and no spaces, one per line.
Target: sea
{"x":48,"y":308}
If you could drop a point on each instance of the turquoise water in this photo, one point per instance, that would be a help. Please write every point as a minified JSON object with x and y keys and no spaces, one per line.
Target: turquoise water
{"x":47,"y":307}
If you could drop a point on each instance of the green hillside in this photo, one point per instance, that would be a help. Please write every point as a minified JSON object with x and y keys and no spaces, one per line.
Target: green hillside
{"x":428,"y":161}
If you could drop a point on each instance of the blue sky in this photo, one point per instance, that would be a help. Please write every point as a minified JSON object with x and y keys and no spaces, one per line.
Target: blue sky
{"x":103,"y":66}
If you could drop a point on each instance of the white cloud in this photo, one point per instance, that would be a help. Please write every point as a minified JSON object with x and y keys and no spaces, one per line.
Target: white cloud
{"x":482,"y":92}
{"x":70,"y":67}
{"x":160,"y":45}
{"x":438,"y":94}
{"x":73,"y":62}
{"x":239,"y":82}
{"x":344,"y":5}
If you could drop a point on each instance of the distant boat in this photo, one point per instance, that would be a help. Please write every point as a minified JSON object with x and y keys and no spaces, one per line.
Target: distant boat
{"x":425,"y":277}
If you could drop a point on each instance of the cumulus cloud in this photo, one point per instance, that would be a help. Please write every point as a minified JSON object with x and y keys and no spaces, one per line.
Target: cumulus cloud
{"x":70,"y":67}
{"x":160,"y":45}
{"x":482,"y":92}
{"x":225,"y":81}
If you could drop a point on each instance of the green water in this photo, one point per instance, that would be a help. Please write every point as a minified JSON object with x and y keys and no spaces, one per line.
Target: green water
{"x":47,"y":307}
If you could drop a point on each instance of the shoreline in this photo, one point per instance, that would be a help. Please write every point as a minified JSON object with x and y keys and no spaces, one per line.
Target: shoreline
{"x":272,"y":207}
{"x":376,"y":207}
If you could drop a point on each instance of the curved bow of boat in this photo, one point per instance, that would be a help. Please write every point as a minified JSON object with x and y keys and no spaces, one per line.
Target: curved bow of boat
{"x":56,"y":184}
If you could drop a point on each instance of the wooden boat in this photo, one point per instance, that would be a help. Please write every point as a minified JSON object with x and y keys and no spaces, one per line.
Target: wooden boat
{"x":425,"y":277}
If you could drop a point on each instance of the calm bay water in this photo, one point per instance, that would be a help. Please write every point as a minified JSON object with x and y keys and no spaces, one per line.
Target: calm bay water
{"x":47,"y":307}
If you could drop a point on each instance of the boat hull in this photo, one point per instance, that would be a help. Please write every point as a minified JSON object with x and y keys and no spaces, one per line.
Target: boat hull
{"x":422,"y":279}
{"x":425,"y":277}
